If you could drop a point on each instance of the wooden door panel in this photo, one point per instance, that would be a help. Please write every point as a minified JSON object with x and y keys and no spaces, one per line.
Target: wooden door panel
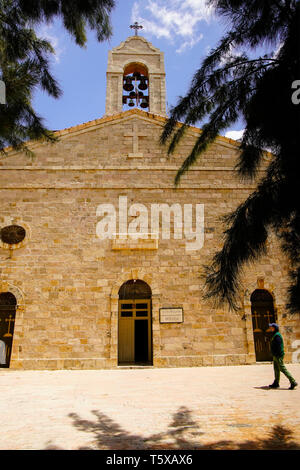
{"x":135,"y":346}
{"x":126,"y":340}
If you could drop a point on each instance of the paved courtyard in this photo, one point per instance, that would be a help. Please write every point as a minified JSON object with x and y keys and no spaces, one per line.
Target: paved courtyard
{"x":186,"y":408}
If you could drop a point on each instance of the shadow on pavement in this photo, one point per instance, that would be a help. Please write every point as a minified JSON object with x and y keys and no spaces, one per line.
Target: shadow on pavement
{"x":183,"y":433}
{"x":266,"y":387}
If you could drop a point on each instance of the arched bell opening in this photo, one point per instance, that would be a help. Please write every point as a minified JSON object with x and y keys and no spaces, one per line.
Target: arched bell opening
{"x":263,"y":313}
{"x":135,"y":323}
{"x":8,"y":307}
{"x":135,"y":86}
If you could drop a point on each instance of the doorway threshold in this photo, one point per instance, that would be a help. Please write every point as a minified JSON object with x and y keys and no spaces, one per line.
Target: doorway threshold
{"x":134,"y":365}
{"x":263,"y":363}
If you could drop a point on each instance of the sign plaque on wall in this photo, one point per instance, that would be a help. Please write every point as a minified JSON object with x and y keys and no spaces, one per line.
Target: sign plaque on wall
{"x":171,"y":315}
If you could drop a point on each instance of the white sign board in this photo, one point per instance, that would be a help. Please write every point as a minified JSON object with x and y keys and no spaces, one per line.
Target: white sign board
{"x":171,"y":315}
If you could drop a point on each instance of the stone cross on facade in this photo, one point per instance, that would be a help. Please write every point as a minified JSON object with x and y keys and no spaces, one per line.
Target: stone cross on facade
{"x":136,"y":27}
{"x":135,"y":134}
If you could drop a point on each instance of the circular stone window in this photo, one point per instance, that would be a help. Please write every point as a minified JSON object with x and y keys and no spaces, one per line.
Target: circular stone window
{"x":12,"y":234}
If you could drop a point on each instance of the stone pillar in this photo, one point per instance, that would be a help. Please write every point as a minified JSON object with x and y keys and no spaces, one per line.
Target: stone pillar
{"x":113,"y":356}
{"x":251,"y":356}
{"x":157,"y":94}
{"x":156,"y":342}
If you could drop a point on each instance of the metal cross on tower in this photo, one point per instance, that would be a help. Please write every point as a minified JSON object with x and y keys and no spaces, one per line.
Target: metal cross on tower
{"x":136,"y":27}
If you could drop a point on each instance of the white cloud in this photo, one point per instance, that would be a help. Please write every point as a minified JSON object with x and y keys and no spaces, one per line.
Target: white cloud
{"x":235,"y":135}
{"x":189,"y":44}
{"x":238,"y":135}
{"x":46,"y":32}
{"x":175,"y":20}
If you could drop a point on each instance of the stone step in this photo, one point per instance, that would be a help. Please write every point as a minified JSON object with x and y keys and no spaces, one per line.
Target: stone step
{"x":135,"y":367}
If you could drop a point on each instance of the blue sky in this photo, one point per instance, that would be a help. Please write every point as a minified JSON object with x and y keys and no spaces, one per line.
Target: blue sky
{"x":183,"y":30}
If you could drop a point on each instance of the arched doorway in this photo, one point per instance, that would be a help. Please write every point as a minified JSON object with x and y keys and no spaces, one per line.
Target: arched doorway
{"x":135,"y":323}
{"x":262,"y":309}
{"x":8,"y":305}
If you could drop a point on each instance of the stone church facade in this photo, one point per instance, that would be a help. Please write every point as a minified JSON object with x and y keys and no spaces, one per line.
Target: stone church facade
{"x":102,"y":257}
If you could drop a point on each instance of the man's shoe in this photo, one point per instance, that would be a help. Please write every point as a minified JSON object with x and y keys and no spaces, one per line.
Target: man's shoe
{"x":274,"y":385}
{"x":293,"y":385}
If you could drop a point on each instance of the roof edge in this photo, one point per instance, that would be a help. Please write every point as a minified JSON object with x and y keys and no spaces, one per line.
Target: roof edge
{"x":114,"y":117}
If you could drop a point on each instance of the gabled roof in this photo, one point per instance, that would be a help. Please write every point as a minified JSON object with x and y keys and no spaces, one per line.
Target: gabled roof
{"x":158,"y":118}
{"x":126,"y":42}
{"x":116,"y":117}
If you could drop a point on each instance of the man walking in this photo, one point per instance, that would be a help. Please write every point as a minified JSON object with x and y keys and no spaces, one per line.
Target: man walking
{"x":277,"y":349}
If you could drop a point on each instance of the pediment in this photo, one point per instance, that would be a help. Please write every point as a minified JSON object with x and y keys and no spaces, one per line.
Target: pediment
{"x":130,"y":138}
{"x":134,"y":44}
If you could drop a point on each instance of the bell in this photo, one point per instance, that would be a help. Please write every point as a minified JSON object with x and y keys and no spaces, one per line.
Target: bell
{"x":144,"y":103}
{"x":131,"y":103}
{"x":128,"y":84}
{"x":143,"y":85}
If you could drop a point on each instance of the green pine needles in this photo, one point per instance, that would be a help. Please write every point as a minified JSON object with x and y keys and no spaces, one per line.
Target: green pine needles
{"x":25,"y":59}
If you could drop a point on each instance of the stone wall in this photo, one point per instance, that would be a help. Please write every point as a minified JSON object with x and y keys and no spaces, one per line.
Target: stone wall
{"x":67,"y":279}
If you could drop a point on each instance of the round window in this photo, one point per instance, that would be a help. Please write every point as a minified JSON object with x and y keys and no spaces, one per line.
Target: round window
{"x":12,"y":234}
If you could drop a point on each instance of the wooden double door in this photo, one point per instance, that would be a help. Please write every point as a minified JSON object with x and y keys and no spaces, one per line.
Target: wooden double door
{"x":263,"y":313}
{"x":135,"y":331}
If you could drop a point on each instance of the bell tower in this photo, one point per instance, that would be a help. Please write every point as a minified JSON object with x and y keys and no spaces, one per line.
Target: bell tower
{"x":135,"y":77}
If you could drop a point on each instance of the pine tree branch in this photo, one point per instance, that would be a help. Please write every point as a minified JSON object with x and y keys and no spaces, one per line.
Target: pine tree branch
{"x":184,"y":105}
{"x":211,"y":130}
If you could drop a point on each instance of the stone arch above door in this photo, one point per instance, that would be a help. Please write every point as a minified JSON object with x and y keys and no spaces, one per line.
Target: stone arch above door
{"x":131,"y":275}
{"x":16,"y":291}
{"x":135,"y":289}
{"x":259,"y":284}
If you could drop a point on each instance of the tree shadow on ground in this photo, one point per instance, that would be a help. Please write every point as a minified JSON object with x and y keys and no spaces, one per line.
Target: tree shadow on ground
{"x":183,"y":433}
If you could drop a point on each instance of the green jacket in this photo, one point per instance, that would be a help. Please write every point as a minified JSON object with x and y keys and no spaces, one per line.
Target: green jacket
{"x":277,"y":346}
